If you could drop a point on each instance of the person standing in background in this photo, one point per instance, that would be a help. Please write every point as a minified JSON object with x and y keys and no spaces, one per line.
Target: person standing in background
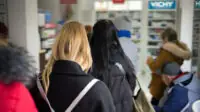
{"x":112,"y":66}
{"x":172,"y":50}
{"x":124,"y":27}
{"x":88,"y":29}
{"x":3,"y":34}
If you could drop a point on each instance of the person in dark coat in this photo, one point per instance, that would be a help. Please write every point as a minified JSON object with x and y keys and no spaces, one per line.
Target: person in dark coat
{"x":111,"y":65}
{"x":65,"y":75}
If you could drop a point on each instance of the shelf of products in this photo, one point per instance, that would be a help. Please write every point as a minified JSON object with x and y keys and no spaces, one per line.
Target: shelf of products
{"x":47,"y":37}
{"x":162,"y":10}
{"x":196,"y":40}
{"x":3,"y":12}
{"x":135,"y":16}
{"x":159,"y":19}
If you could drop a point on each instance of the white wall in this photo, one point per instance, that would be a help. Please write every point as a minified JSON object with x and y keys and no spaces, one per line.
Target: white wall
{"x":17,"y":22}
{"x":86,"y":12}
{"x":53,"y":6}
{"x":186,"y":31}
{"x":23,"y":26}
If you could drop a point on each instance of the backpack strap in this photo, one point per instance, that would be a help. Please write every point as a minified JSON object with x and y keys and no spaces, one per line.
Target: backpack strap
{"x":120,"y":68}
{"x":81,"y":95}
{"x":137,"y":87}
{"x":75,"y":101}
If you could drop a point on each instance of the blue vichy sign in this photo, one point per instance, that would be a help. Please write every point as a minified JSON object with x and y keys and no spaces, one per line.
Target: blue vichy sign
{"x":197,"y":4}
{"x":162,"y":4}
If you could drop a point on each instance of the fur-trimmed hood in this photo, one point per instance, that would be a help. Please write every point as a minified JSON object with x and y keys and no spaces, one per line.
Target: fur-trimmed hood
{"x":181,"y":50}
{"x":16,"y":65}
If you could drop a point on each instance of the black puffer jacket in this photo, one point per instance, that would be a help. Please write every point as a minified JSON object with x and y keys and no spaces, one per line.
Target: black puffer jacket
{"x":120,"y":84}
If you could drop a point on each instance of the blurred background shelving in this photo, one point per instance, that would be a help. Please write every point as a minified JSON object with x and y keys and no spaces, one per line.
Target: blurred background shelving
{"x":159,"y":19}
{"x":196,"y":39}
{"x":3,"y":12}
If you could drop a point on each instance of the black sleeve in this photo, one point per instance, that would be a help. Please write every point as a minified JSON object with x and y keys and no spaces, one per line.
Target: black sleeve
{"x":105,"y":102}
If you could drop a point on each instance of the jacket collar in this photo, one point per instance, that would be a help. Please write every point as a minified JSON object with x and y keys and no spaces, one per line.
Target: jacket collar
{"x":180,"y":50}
{"x":67,"y":67}
{"x":183,"y":78}
{"x":16,"y":65}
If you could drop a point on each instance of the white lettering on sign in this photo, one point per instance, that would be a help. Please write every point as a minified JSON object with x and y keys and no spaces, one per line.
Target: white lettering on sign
{"x":162,"y":4}
{"x":197,"y":3}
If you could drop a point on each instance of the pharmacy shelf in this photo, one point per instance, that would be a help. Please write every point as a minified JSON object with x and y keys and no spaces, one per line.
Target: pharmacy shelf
{"x":155,"y":34}
{"x":197,"y":18}
{"x":196,"y":41}
{"x":134,"y":15}
{"x":163,"y":10}
{"x":193,"y":58}
{"x":156,"y":19}
{"x":154,"y":27}
{"x":136,"y":18}
{"x":151,"y":40}
{"x":162,"y":19}
{"x":194,"y":68}
{"x":153,"y":47}
{"x":136,"y":27}
{"x":136,"y":40}
{"x":46,"y":38}
{"x":2,"y":12}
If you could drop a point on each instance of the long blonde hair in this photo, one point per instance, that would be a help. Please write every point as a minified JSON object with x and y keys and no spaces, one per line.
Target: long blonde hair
{"x":71,"y":44}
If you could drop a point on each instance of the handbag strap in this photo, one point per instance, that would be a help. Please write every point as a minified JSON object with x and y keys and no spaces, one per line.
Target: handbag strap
{"x":75,"y":101}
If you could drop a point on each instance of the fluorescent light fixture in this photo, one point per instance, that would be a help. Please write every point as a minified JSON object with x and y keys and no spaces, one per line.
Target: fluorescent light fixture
{"x":127,"y":6}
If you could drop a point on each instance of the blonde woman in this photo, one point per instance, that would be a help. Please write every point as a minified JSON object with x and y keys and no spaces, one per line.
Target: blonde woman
{"x":66,"y":74}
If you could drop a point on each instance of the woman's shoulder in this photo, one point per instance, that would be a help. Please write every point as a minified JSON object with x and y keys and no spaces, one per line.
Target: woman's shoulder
{"x":101,"y":95}
{"x":100,"y":87}
{"x":100,"y":91}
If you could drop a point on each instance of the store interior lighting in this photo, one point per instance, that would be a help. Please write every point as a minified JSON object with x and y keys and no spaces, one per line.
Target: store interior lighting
{"x":109,"y":5}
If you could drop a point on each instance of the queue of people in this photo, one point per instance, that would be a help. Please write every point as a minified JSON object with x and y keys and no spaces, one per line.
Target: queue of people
{"x":95,"y":71}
